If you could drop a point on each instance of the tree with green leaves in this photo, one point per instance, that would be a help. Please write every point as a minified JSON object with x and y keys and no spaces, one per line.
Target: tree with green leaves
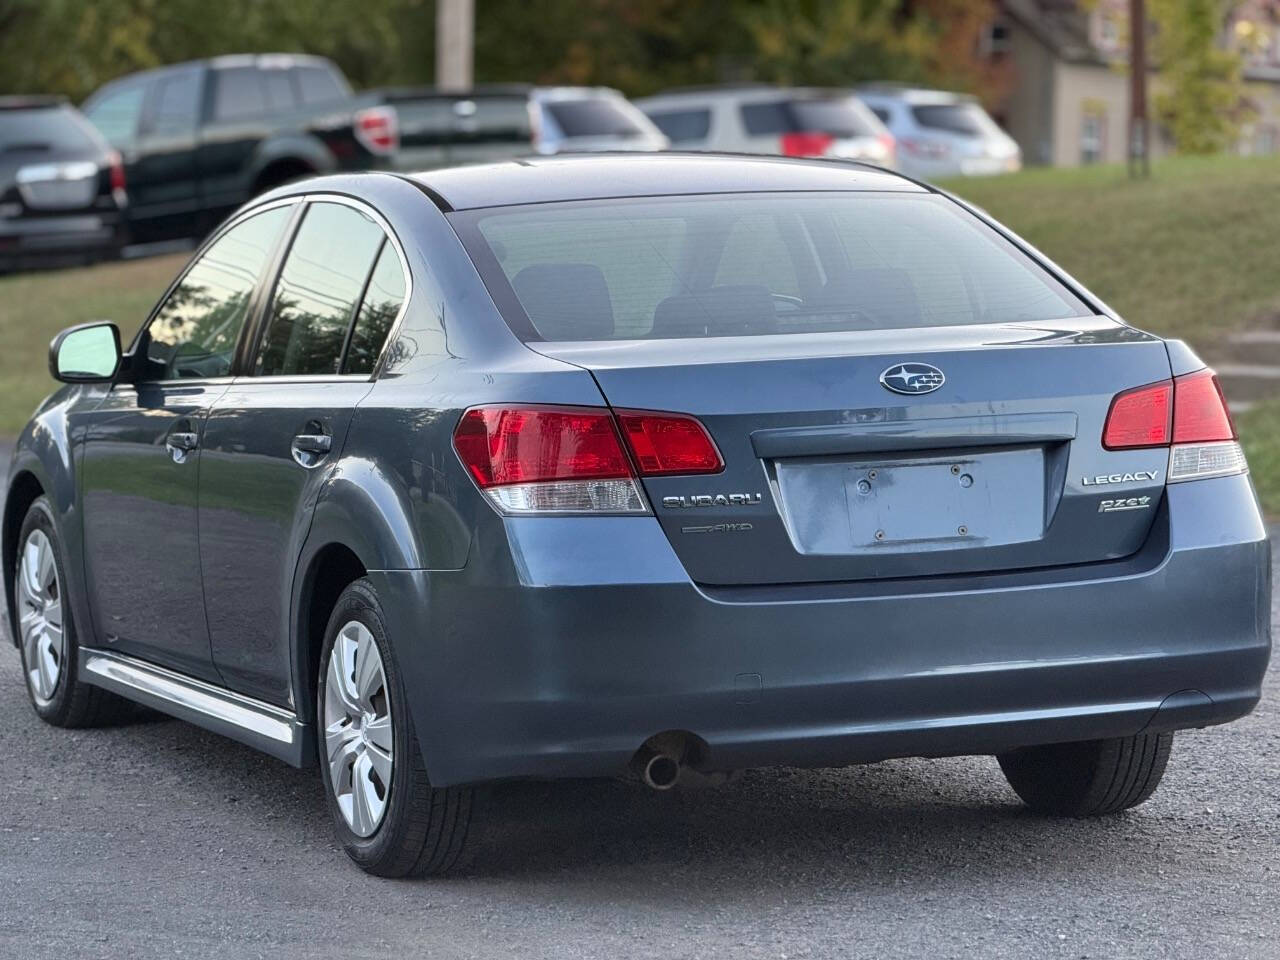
{"x":1201,"y":98}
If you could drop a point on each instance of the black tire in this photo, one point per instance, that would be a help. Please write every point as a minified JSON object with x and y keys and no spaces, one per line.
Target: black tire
{"x":1088,"y":779}
{"x":424,"y":829}
{"x":73,"y":703}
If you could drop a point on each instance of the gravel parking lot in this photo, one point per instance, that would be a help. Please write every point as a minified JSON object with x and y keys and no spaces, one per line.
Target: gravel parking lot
{"x":159,"y":840}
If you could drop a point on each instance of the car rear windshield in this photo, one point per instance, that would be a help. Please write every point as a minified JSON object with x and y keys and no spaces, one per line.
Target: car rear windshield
{"x":44,"y":130}
{"x":594,"y":117}
{"x":742,"y":265}
{"x":967,"y":119}
{"x":839,"y":117}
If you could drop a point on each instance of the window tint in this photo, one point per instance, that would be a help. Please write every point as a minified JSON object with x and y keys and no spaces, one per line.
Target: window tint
{"x":882,"y":114}
{"x":44,"y":130}
{"x":195,"y":331}
{"x":966,"y":119}
{"x":238,"y":93}
{"x":318,"y":290}
{"x":596,"y":117}
{"x":381,"y":303}
{"x":756,"y":253}
{"x":683,"y":125}
{"x":116,"y":115}
{"x":177,"y":104}
{"x":319,"y":85}
{"x":763,"y":119}
{"x":753,"y":264}
{"x":279,"y":90}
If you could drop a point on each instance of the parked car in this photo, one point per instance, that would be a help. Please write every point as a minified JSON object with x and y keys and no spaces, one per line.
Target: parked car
{"x":62,"y":189}
{"x":199,"y":139}
{"x":790,"y":121}
{"x":500,"y":121}
{"x":673,"y":464}
{"x":942,"y":134}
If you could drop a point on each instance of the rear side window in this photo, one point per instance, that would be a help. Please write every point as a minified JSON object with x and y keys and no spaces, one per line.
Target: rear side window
{"x":116,"y":114}
{"x":753,"y":264}
{"x":238,"y":93}
{"x":176,"y":105}
{"x":195,"y":331}
{"x":318,"y":291}
{"x":839,"y":117}
{"x":319,"y":85}
{"x":278,"y":87}
{"x":378,"y":310}
{"x":44,"y":130}
{"x":593,"y":117}
{"x":681,"y":126}
{"x":966,"y":119}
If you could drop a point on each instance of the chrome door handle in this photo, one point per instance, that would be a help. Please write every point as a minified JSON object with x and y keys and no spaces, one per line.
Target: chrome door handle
{"x":180,"y":443}
{"x":313,"y":443}
{"x":309,"y":449}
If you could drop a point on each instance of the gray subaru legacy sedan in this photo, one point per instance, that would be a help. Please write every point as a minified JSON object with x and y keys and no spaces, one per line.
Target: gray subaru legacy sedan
{"x":649,"y":466}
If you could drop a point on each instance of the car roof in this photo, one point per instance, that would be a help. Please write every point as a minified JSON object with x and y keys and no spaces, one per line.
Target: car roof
{"x":913,"y":95}
{"x":745,"y":93}
{"x":37,"y":101}
{"x":600,"y":176}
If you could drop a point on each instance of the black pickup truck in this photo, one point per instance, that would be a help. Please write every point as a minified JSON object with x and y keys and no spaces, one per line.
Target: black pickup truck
{"x":198,"y":139}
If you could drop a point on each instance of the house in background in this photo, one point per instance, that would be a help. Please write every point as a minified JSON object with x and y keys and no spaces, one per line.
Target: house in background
{"x":1070,"y":102}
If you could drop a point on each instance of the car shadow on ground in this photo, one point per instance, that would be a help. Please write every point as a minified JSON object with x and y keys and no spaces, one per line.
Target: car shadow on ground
{"x":876,"y":824}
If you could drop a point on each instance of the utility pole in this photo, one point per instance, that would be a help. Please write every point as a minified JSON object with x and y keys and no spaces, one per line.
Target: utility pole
{"x":455,"y":44}
{"x":1139,"y":127}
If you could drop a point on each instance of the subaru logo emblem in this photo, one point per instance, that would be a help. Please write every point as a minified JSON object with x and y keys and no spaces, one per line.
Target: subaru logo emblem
{"x":912,"y":378}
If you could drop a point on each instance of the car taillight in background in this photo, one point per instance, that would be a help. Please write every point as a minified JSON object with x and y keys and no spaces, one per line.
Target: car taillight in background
{"x":378,"y":129}
{"x":1188,"y":414}
{"x":806,"y":144}
{"x":115,"y":174}
{"x":538,"y":459}
{"x":925,"y":149}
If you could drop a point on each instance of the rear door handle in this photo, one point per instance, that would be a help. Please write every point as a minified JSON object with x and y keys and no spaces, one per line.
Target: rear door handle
{"x":313,"y":443}
{"x":180,"y":443}
{"x":309,"y":449}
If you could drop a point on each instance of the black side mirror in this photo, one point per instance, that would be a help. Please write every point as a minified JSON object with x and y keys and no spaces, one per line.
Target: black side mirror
{"x":88,"y":353}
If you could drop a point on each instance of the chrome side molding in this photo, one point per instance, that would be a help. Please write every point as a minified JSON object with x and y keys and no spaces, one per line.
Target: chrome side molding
{"x":262,"y":726}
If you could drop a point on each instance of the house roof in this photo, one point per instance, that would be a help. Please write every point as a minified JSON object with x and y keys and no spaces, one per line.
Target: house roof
{"x":1061,"y":25}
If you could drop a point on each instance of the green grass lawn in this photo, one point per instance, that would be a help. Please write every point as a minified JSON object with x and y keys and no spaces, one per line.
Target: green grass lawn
{"x":35,"y":306}
{"x":1190,"y":253}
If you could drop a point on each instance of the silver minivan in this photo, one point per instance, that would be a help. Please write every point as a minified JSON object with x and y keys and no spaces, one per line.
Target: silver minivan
{"x":942,"y":134}
{"x":790,"y":121}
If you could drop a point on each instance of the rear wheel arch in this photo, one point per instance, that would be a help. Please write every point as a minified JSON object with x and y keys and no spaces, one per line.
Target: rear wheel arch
{"x":329,"y":571}
{"x":281,"y":171}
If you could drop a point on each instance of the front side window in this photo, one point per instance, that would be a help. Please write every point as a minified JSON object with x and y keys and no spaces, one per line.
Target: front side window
{"x":319,"y":290}
{"x":194,"y":333}
{"x":116,"y":114}
{"x":683,"y":126}
{"x":739,"y":265}
{"x":177,"y":104}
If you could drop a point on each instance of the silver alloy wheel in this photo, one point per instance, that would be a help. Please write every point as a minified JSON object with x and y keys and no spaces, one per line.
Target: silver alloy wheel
{"x":44,"y":644}
{"x":357,"y":729}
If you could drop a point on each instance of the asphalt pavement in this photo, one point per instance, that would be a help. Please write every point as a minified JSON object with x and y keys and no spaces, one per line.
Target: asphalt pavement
{"x":156,"y":839}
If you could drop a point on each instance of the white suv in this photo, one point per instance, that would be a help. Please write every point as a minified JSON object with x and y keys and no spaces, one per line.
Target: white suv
{"x":791,"y":121}
{"x":941,"y":134}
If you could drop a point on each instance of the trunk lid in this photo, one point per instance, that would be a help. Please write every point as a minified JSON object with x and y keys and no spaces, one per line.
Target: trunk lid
{"x":831,"y":476}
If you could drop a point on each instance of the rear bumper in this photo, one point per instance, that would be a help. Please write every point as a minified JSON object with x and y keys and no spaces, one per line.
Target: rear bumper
{"x":596,"y":640}
{"x":35,"y":240}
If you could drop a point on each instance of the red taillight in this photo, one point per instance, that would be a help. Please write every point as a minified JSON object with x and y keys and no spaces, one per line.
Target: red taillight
{"x":1188,"y":409}
{"x":378,"y":129}
{"x":666,"y":443}
{"x":506,"y":445}
{"x":806,"y":144}
{"x":1199,"y":410}
{"x":1140,"y":417}
{"x":115,"y":177}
